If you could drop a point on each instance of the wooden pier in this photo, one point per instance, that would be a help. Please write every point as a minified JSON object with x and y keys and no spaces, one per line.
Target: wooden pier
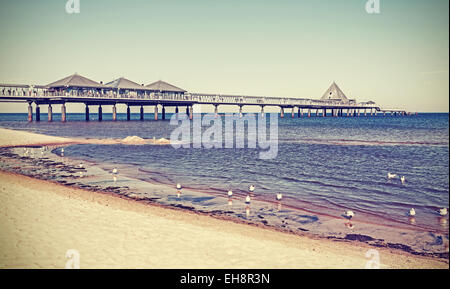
{"x":78,"y":89}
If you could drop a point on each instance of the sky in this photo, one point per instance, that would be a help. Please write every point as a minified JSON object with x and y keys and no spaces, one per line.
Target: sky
{"x":398,"y":58}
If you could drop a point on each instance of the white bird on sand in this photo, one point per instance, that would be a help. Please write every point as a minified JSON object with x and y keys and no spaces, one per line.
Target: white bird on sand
{"x":391,"y":176}
{"x":114,"y":171}
{"x":62,"y":150}
{"x":252,"y":188}
{"x":279,"y":196}
{"x":412,"y":212}
{"x":403,"y":179}
{"x":179,"y":186}
{"x":349,"y":214}
{"x":80,"y":165}
{"x":114,"y":179}
{"x":230,"y":193}
{"x":247,"y":200}
{"x":443,"y":212}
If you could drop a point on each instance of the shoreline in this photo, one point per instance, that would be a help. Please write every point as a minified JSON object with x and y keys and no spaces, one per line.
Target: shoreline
{"x":332,"y":251}
{"x":315,"y":252}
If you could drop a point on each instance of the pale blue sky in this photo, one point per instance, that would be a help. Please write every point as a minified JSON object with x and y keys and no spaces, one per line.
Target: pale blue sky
{"x":399,"y":58}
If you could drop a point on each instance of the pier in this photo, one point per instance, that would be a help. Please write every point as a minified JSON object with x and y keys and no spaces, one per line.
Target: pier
{"x":161,"y":95}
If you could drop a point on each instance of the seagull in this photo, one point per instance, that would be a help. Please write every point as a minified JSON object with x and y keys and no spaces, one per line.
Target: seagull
{"x":443,"y":212}
{"x":412,"y":212}
{"x":114,"y":179}
{"x":391,"y":176}
{"x":252,"y":188}
{"x":279,"y":196}
{"x":179,"y":186}
{"x":349,"y":214}
{"x":403,"y":179}
{"x":247,"y":200}
{"x":114,"y":171}
{"x":62,"y":150}
{"x":230,"y":193}
{"x":80,"y":165}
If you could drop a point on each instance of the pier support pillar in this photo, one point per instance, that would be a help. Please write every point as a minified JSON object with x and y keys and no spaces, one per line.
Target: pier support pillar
{"x":262,"y":111}
{"x":30,"y":112}
{"x":317,"y":112}
{"x":176,"y":112}
{"x":50,"y":113}
{"x":63,"y":112}
{"x":293,"y":112}
{"x":282,"y":112}
{"x":216,"y":110}
{"x":87,"y":113}
{"x":365,"y":112}
{"x":38,"y":113}
{"x":240,"y":111}
{"x":324,"y":112}
{"x":156,"y":112}
{"x":163,"y":116}
{"x":299,"y":113}
{"x":100,"y":113}
{"x":114,"y":112}
{"x":141,"y":113}
{"x":309,"y":112}
{"x":128,"y":113}
{"x":191,"y":112}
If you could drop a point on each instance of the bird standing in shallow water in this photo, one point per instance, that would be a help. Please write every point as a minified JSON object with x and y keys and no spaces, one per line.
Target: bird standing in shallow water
{"x":391,"y":176}
{"x":403,"y":179}
{"x":412,"y":212}
{"x":251,"y":188}
{"x":247,"y":200}
{"x":443,"y":212}
{"x":279,"y":196}
{"x":349,"y":214}
{"x":230,"y":193}
{"x":114,"y":171}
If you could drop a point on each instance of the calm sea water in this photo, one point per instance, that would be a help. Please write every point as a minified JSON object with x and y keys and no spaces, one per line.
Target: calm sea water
{"x":324,"y":165}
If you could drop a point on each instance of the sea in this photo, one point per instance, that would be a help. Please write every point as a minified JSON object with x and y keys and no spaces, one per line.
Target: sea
{"x":324,"y":167}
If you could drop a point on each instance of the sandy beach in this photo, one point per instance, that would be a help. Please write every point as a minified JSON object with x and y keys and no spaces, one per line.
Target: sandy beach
{"x":40,"y":221}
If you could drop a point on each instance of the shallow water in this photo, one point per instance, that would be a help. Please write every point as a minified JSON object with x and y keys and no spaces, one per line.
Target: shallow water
{"x":324,"y":166}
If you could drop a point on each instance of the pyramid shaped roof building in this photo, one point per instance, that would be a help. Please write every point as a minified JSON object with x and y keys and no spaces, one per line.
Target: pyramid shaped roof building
{"x":75,"y":80}
{"x":123,"y":83}
{"x":162,"y":86}
{"x":334,"y":93}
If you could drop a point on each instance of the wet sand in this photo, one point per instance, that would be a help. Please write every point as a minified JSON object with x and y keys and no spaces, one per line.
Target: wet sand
{"x":41,"y":220}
